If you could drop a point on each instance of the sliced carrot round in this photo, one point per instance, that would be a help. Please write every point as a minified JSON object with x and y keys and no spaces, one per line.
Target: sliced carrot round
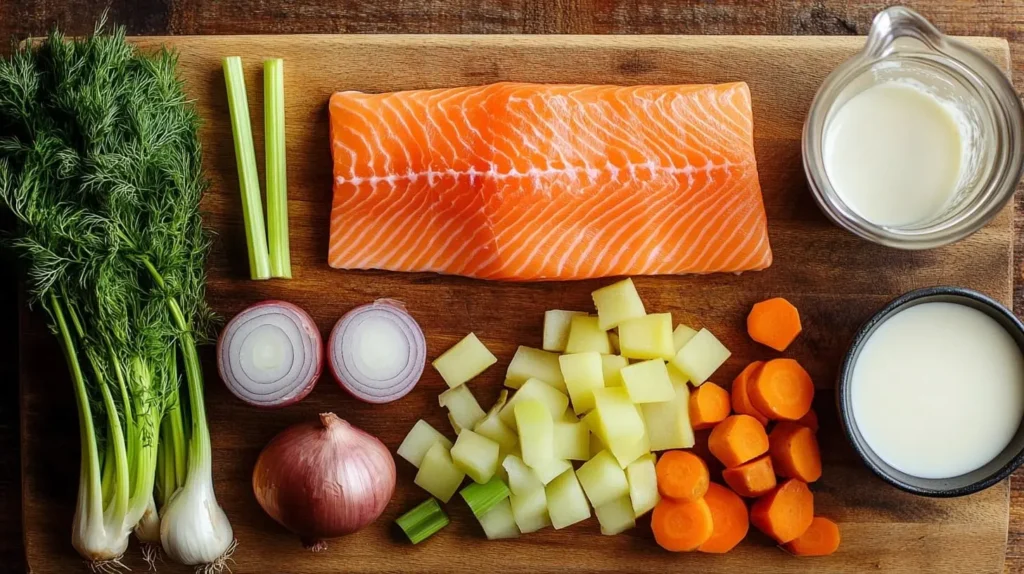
{"x":738,"y":439}
{"x":820,"y":539}
{"x":709,"y":405}
{"x":751,"y":479}
{"x":682,"y":475}
{"x":810,"y":420}
{"x":682,"y":526}
{"x":730,"y":520}
{"x":782,"y":390}
{"x":740,"y":394}
{"x":775,"y":323}
{"x":794,"y":451}
{"x":784,"y":513}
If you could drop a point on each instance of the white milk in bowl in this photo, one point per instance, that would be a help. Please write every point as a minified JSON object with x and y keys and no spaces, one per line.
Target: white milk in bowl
{"x":937,"y":390}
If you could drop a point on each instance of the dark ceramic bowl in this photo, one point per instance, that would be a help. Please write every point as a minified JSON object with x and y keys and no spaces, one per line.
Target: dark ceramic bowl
{"x":998,"y":468}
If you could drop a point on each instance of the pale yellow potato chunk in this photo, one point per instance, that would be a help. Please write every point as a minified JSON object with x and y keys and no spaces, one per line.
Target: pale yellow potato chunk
{"x":556,"y":328}
{"x":438,"y":474}
{"x":643,"y":485}
{"x":681,"y":336}
{"x":615,"y":517}
{"x":536,"y":432}
{"x":499,"y":522}
{"x":572,"y":441}
{"x":617,"y":417}
{"x":467,"y":359}
{"x":668,"y":423}
{"x":550,"y":470}
{"x":462,"y":406}
{"x":530,"y":510}
{"x":567,"y":504}
{"x":616,"y":303}
{"x":476,"y":455}
{"x":529,"y":363}
{"x":585,"y":335}
{"x":647,"y":337}
{"x":700,"y":357}
{"x":602,"y":479}
{"x":647,"y":382}
{"x":421,"y":437}
{"x":626,"y":452}
{"x":534,"y":389}
{"x":493,"y":428}
{"x":583,"y":373}
{"x":611,"y":367}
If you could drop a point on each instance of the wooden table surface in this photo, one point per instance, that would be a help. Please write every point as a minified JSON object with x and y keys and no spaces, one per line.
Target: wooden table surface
{"x":22,"y":18}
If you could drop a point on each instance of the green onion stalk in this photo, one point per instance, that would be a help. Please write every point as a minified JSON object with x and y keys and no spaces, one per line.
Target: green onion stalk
{"x":100,"y":165}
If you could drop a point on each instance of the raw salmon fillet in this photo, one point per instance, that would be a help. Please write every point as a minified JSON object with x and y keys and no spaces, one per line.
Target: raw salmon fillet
{"x":532,"y":182}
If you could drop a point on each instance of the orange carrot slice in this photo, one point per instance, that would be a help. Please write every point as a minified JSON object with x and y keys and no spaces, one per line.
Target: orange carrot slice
{"x":729,"y":517}
{"x":751,"y":479}
{"x":820,"y":539}
{"x":680,"y":526}
{"x":709,"y":405}
{"x":738,"y":439}
{"x":794,"y":451}
{"x":682,"y":475}
{"x":782,"y":390}
{"x":810,"y":420}
{"x":784,"y":513}
{"x":774,"y":323}
{"x":740,"y":395}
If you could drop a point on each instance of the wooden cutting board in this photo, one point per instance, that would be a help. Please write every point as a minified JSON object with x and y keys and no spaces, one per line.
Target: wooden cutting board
{"x":836,"y":280}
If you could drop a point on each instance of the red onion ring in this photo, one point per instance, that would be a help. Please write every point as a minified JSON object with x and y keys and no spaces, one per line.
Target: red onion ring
{"x":285,"y":340}
{"x":377,"y":351}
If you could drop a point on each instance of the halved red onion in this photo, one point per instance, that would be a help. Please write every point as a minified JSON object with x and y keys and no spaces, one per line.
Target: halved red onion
{"x":377,"y":351}
{"x":270,"y":354}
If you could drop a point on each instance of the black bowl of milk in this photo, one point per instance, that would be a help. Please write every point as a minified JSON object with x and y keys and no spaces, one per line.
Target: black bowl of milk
{"x":931,"y":394}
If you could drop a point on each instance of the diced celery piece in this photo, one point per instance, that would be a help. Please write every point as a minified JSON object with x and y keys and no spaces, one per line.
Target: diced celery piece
{"x":482,"y":497}
{"x":467,"y":359}
{"x":550,"y":470}
{"x":536,"y":432}
{"x":530,"y":510}
{"x":647,"y":337}
{"x":616,"y":303}
{"x":499,"y":522}
{"x":572,"y":441}
{"x":556,"y":328}
{"x":668,"y":423}
{"x":475,"y":455}
{"x":423,"y":521}
{"x":700,"y":357}
{"x":647,"y":382}
{"x":521,"y":478}
{"x":615,"y":516}
{"x":529,"y":363}
{"x":421,"y":437}
{"x":555,"y":401}
{"x":617,"y":417}
{"x":585,"y":335}
{"x":611,"y":369}
{"x":643,"y":484}
{"x":583,"y":373}
{"x":602,"y":479}
{"x":567,"y":504}
{"x":438,"y":474}
{"x":462,"y":406}
{"x":681,"y":336}
{"x":493,"y":428}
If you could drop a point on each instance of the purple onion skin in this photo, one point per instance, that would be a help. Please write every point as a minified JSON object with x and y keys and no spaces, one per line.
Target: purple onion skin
{"x":324,"y":479}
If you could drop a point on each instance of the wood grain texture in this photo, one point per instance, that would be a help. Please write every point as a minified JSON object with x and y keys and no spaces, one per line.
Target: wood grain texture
{"x":836,"y":281}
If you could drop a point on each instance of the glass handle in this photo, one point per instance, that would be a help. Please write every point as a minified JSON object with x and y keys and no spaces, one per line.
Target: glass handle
{"x":900,"y":22}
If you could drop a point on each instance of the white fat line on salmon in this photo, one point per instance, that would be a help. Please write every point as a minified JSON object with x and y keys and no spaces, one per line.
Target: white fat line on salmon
{"x":537,"y":174}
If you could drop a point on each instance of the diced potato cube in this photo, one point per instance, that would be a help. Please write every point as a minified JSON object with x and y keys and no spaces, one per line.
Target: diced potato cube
{"x":602,"y":479}
{"x":681,"y":336}
{"x":668,"y":423}
{"x":492,"y":428}
{"x":643,"y":484}
{"x":556,"y":328}
{"x":585,"y":335}
{"x":475,"y":455}
{"x":536,"y":432}
{"x":616,"y":303}
{"x":499,"y":522}
{"x":530,"y":510}
{"x":596,"y":445}
{"x":462,"y":406}
{"x":421,"y":437}
{"x":548,"y":471}
{"x":533,"y":389}
{"x":617,"y":417}
{"x":616,"y":516}
{"x":647,"y":382}
{"x":700,"y":357}
{"x":467,"y":359}
{"x":647,"y":337}
{"x":611,"y":367}
{"x":583,"y":373}
{"x":438,"y":474}
{"x":567,"y":504}
{"x":529,"y":363}
{"x":521,"y":479}
{"x":569,"y":416}
{"x":626,"y":452}
{"x":572,"y":441}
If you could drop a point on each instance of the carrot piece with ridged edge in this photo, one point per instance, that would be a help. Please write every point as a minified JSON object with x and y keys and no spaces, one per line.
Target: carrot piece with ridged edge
{"x":821,"y":539}
{"x":682,"y":526}
{"x":738,"y":439}
{"x":794,"y":451}
{"x":729,"y":518}
{"x":682,"y":475}
{"x":740,"y":396}
{"x":709,"y":405}
{"x":785,"y":513}
{"x":782,"y":390}
{"x":774,"y":323}
{"x":751,"y":479}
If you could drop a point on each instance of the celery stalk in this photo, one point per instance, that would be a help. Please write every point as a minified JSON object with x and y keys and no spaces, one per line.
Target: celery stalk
{"x":483,"y":497}
{"x":423,"y":521}
{"x":248,"y":178}
{"x":277,"y":179}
